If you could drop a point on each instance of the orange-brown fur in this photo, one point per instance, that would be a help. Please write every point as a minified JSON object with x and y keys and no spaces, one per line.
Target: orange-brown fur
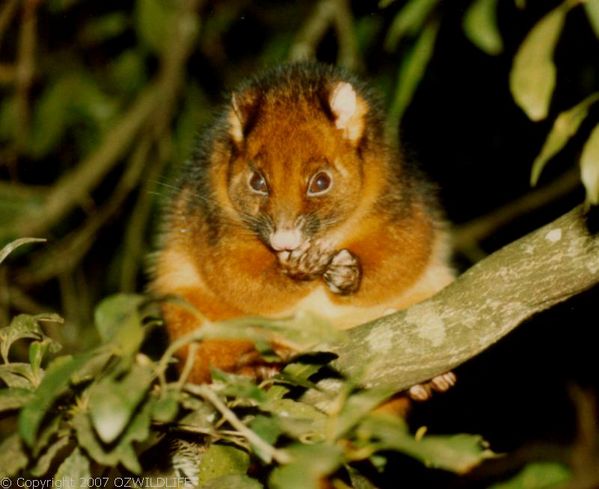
{"x":215,"y":261}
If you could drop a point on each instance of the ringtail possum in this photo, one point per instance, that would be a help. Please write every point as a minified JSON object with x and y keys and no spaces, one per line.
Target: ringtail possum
{"x":295,"y":199}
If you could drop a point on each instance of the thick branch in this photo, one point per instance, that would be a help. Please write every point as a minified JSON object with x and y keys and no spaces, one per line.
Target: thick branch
{"x":530,"y":275}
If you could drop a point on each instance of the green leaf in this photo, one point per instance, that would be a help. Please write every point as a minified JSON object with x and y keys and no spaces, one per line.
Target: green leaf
{"x":410,"y":73}
{"x":357,"y":406}
{"x":137,"y":430}
{"x":8,"y":118}
{"x":222,"y":460}
{"x":592,"y":9}
{"x":311,"y":463}
{"x":297,"y":419}
{"x":37,"y":352}
{"x":119,"y":322}
{"x":238,"y":386}
{"x":93,"y":367}
{"x":480,"y":25}
{"x":299,"y":373}
{"x":565,"y":126}
{"x":54,"y":384}
{"x":48,"y":432}
{"x":409,"y":21}
{"x":103,"y":28}
{"x":26,"y":326}
{"x":266,"y":428}
{"x":304,"y":329}
{"x":17,"y":375}
{"x":43,"y":463}
{"x":12,"y":456}
{"x":75,"y":468}
{"x":165,"y":409}
{"x":532,"y":78}
{"x":153,"y":19}
{"x":538,"y":475}
{"x":192,"y":115}
{"x":276,"y":392}
{"x":307,"y":329}
{"x":456,"y":453}
{"x":589,"y":167}
{"x":16,"y":203}
{"x":10,"y":247}
{"x":128,"y":74}
{"x":235,"y":481}
{"x":91,"y":104}
{"x":112,"y":403}
{"x":51,"y":116}
{"x":14,"y":398}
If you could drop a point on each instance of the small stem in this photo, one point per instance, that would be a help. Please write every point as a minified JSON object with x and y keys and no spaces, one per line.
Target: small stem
{"x":313,"y":31}
{"x":7,"y":13}
{"x":189,"y":362}
{"x":195,"y":335}
{"x":25,"y":69}
{"x":204,"y":391}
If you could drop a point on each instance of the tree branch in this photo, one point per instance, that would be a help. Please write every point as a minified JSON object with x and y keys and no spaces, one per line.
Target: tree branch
{"x":530,"y":275}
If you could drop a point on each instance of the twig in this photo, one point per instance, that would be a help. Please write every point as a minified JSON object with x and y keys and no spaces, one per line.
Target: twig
{"x":313,"y":31}
{"x":21,"y":301}
{"x":135,"y":234}
{"x":585,"y":451}
{"x":473,"y":232}
{"x":7,"y":13}
{"x":188,"y":367}
{"x":170,"y":82}
{"x":25,"y":69}
{"x":153,"y":107}
{"x":74,"y":187}
{"x":8,"y":73}
{"x":174,"y":347}
{"x":66,"y":254}
{"x":206,"y":392}
{"x":349,"y":55}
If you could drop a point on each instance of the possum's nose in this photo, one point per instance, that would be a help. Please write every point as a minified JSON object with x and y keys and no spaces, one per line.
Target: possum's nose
{"x":286,"y":239}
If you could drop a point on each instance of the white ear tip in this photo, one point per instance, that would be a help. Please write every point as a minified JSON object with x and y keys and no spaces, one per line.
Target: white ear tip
{"x":343,"y":103}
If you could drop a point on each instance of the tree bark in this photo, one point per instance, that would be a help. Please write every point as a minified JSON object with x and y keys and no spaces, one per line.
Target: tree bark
{"x":488,"y":301}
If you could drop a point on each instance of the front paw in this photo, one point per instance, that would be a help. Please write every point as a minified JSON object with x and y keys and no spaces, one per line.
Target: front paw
{"x":343,"y":274}
{"x":306,"y":262}
{"x":440,"y":383}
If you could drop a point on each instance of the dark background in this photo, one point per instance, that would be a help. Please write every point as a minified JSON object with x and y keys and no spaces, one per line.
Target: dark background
{"x":462,"y":127}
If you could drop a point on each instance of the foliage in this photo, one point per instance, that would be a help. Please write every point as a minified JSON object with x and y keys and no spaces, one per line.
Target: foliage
{"x":97,"y":414}
{"x":532,"y":83}
{"x":105,"y":407}
{"x":92,"y":139}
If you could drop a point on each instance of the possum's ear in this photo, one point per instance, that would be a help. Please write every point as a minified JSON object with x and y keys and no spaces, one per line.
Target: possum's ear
{"x":242,"y":114}
{"x":349,"y":111}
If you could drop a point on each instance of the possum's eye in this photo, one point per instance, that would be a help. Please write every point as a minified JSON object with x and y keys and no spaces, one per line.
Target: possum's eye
{"x":257,"y":183}
{"x":320,"y":183}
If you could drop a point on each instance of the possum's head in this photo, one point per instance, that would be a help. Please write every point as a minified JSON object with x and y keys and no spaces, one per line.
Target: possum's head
{"x":297,"y":169}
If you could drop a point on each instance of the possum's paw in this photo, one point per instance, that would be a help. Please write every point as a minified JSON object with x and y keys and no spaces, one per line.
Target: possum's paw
{"x":307,"y":262}
{"x":441,"y":383}
{"x":343,"y":274}
{"x":304,"y":263}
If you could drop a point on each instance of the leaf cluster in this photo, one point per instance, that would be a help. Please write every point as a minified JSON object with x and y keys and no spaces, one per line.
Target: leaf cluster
{"x":100,"y":412}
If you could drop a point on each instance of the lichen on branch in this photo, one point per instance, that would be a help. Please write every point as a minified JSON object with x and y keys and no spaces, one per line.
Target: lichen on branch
{"x":488,"y":301}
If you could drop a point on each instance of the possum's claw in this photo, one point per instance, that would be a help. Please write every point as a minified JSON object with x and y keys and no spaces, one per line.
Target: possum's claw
{"x":307,"y":262}
{"x":440,"y":383}
{"x":343,"y":274}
